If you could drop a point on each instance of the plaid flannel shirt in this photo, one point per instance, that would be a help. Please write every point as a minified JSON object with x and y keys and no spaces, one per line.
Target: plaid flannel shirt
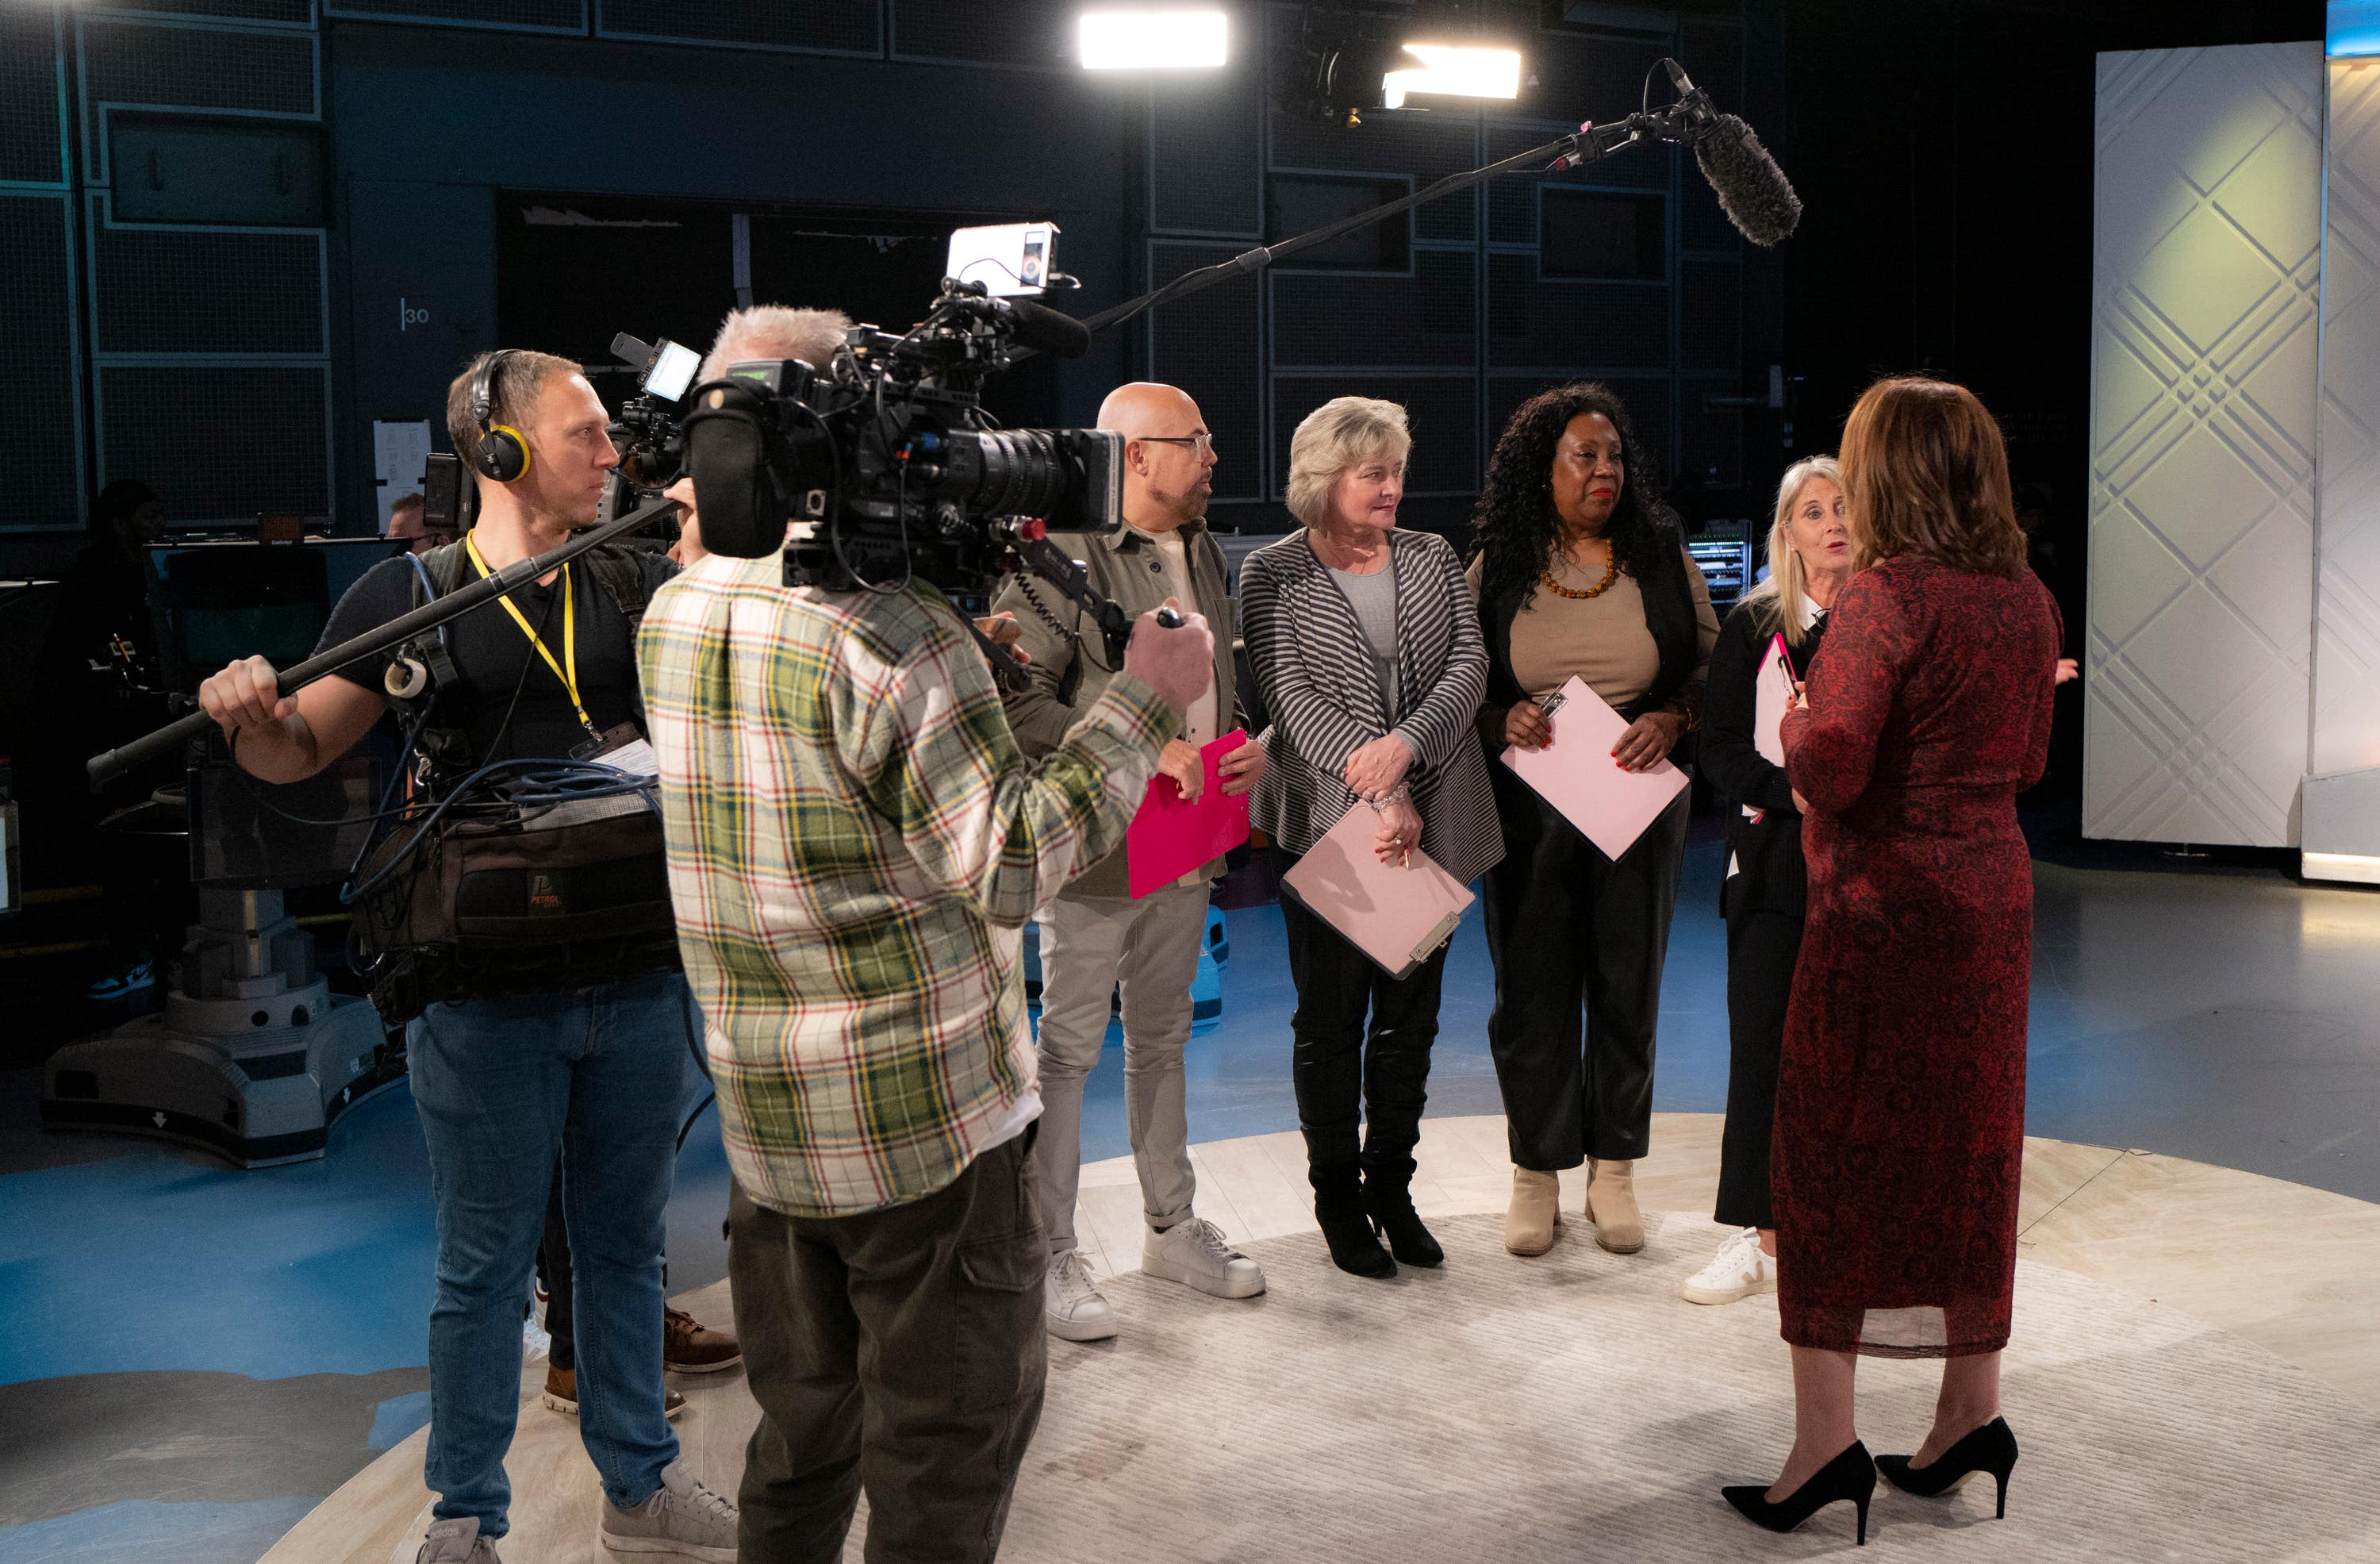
{"x":854,"y":844}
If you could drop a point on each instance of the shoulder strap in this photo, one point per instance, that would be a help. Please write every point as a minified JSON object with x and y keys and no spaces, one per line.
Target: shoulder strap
{"x":623,"y":577}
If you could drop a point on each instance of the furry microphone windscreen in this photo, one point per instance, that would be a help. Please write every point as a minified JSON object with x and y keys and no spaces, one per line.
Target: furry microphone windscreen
{"x":1751,"y":190}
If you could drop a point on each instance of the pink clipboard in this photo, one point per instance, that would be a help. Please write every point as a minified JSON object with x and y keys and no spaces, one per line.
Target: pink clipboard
{"x":1397,"y":914}
{"x":1168,"y":836}
{"x":1577,"y":776}
{"x":1772,"y":696}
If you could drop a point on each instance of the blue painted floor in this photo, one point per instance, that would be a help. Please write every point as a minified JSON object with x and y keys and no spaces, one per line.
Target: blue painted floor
{"x":196,"y":1355}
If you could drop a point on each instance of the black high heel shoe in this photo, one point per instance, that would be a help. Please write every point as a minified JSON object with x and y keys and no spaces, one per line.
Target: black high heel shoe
{"x":1348,"y":1231}
{"x":1989,"y":1448}
{"x":1394,"y":1218}
{"x":1851,"y":1475}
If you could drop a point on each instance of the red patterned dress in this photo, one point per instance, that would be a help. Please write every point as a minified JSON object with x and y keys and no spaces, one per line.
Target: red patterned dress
{"x":1900,"y":1098}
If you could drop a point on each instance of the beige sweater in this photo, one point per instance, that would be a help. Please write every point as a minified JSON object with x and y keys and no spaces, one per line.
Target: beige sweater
{"x":1602,"y":640}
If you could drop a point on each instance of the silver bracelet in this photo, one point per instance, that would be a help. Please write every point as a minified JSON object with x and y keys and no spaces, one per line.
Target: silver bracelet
{"x":1396,"y":795}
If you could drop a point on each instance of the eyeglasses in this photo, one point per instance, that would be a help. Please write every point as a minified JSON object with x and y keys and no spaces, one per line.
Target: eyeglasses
{"x":1204,"y":443}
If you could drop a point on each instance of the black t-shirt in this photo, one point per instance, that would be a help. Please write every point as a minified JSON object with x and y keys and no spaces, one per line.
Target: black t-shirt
{"x":508,"y":703}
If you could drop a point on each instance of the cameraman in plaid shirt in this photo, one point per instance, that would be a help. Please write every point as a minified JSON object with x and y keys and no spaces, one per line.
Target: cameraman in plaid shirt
{"x":855,"y":845}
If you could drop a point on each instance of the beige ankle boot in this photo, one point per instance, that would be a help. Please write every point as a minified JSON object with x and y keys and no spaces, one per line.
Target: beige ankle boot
{"x":1536,"y":1212}
{"x":1612,"y":1206}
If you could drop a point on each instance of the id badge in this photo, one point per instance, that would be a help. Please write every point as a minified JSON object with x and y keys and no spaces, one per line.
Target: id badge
{"x":623,"y":747}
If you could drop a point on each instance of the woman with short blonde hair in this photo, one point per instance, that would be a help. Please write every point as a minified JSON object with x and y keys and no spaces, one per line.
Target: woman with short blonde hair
{"x":1342,"y":434}
{"x":1364,"y":643}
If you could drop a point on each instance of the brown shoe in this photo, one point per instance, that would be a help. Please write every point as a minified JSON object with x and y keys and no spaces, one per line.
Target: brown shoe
{"x":1612,"y":1206}
{"x":562,"y":1393}
{"x":691,"y":1347}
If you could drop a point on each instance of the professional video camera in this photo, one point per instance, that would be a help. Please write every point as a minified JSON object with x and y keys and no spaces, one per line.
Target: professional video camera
{"x":883,"y":466}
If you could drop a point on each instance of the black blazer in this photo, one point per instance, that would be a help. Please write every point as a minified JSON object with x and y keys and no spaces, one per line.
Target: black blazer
{"x":1771,"y":876}
{"x":1668,"y":615}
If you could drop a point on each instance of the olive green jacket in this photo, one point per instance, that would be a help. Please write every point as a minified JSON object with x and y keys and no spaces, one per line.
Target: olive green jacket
{"x":1068,"y":676}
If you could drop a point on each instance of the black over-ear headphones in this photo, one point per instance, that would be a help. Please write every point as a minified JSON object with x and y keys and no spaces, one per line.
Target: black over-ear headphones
{"x":502,"y":452}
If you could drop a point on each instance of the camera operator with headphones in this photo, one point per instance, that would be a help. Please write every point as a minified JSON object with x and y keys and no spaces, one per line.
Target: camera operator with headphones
{"x":598,"y":1068}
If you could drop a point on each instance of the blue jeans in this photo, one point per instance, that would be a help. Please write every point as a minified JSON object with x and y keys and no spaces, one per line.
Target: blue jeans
{"x":603,"y":1075}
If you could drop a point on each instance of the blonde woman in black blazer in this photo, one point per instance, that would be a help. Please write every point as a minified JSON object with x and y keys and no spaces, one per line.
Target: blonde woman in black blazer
{"x":1367,"y":650}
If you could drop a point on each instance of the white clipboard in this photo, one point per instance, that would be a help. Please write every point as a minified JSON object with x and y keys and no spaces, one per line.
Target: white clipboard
{"x":1577,"y":776}
{"x":1397,"y":915}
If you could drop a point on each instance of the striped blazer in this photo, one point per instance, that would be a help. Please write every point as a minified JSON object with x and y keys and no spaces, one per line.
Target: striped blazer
{"x":1322,"y":691}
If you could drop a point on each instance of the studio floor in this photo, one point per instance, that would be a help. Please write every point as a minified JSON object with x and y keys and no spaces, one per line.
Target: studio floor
{"x":199,"y":1357}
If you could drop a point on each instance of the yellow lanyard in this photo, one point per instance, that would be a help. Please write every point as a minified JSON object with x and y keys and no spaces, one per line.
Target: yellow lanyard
{"x":567,"y":669}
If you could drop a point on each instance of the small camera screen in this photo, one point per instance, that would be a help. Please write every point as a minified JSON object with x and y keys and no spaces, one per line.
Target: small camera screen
{"x":673,"y":371}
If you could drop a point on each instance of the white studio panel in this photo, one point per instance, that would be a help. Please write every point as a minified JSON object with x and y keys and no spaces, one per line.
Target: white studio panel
{"x":2207,"y":266}
{"x":2346,"y":603}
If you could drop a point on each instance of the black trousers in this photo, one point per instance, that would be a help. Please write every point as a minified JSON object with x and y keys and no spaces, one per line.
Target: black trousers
{"x":1577,"y":937}
{"x":1342,"y":1069}
{"x":900,"y":1353}
{"x":1761,"y":950}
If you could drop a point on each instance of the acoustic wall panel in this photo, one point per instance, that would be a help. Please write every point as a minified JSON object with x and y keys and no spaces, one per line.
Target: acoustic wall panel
{"x":291,"y":12}
{"x":1211,"y":344}
{"x":174,"y":290}
{"x":1032,"y":34}
{"x":1332,"y":318}
{"x":1646,"y":398}
{"x":510,"y":16}
{"x":2347,"y":586}
{"x":165,"y":423}
{"x":40,"y":439}
{"x":2206,"y":264}
{"x":1206,"y":144}
{"x":834,"y":26}
{"x":1442,"y":410}
{"x":1562,"y":324}
{"x":248,"y":70}
{"x":32,"y":97}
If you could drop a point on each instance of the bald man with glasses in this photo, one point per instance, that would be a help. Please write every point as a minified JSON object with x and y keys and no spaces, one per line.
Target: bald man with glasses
{"x":1095,"y":936}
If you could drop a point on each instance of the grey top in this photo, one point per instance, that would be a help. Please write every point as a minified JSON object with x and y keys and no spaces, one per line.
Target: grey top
{"x":1374,"y":598}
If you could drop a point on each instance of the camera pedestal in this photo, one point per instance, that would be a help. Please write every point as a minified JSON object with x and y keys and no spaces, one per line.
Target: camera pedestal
{"x":252,"y":1057}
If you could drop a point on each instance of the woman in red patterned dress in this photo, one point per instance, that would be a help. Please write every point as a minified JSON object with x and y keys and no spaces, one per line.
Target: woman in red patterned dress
{"x":1900,"y":1101}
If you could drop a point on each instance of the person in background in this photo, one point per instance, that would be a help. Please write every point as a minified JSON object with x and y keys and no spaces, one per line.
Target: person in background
{"x":1367,"y":652}
{"x":406,"y":524}
{"x":1096,"y":939}
{"x":1900,"y":1132}
{"x":1581,"y":570}
{"x":1764,"y":891}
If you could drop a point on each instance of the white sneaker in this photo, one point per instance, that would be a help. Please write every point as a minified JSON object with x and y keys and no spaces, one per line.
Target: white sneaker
{"x":1193,"y":1253}
{"x":682,"y":1518}
{"x":1070,"y":1306}
{"x":1740,"y":1269}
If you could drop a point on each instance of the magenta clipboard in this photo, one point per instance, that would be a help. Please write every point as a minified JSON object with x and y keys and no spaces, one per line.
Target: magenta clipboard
{"x":1577,"y":776}
{"x":1397,"y":914}
{"x":1170,"y":836}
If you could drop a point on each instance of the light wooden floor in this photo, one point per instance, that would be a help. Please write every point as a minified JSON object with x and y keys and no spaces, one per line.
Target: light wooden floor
{"x":2286,"y":1267}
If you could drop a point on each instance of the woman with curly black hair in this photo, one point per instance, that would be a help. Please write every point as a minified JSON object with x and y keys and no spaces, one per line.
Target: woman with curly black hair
{"x":1579,"y":569}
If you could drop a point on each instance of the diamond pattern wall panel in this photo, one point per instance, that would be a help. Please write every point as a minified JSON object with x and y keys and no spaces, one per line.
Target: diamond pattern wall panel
{"x":1211,"y":345}
{"x":40,"y":439}
{"x":2347,"y":586}
{"x":2207,"y":260}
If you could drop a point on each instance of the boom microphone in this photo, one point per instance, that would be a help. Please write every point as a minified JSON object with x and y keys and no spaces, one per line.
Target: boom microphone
{"x":1751,"y":190}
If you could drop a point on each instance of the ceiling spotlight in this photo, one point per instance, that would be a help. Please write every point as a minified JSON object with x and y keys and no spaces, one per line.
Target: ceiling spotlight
{"x":1152,"y":38}
{"x":1362,"y":56}
{"x":1454,"y":73}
